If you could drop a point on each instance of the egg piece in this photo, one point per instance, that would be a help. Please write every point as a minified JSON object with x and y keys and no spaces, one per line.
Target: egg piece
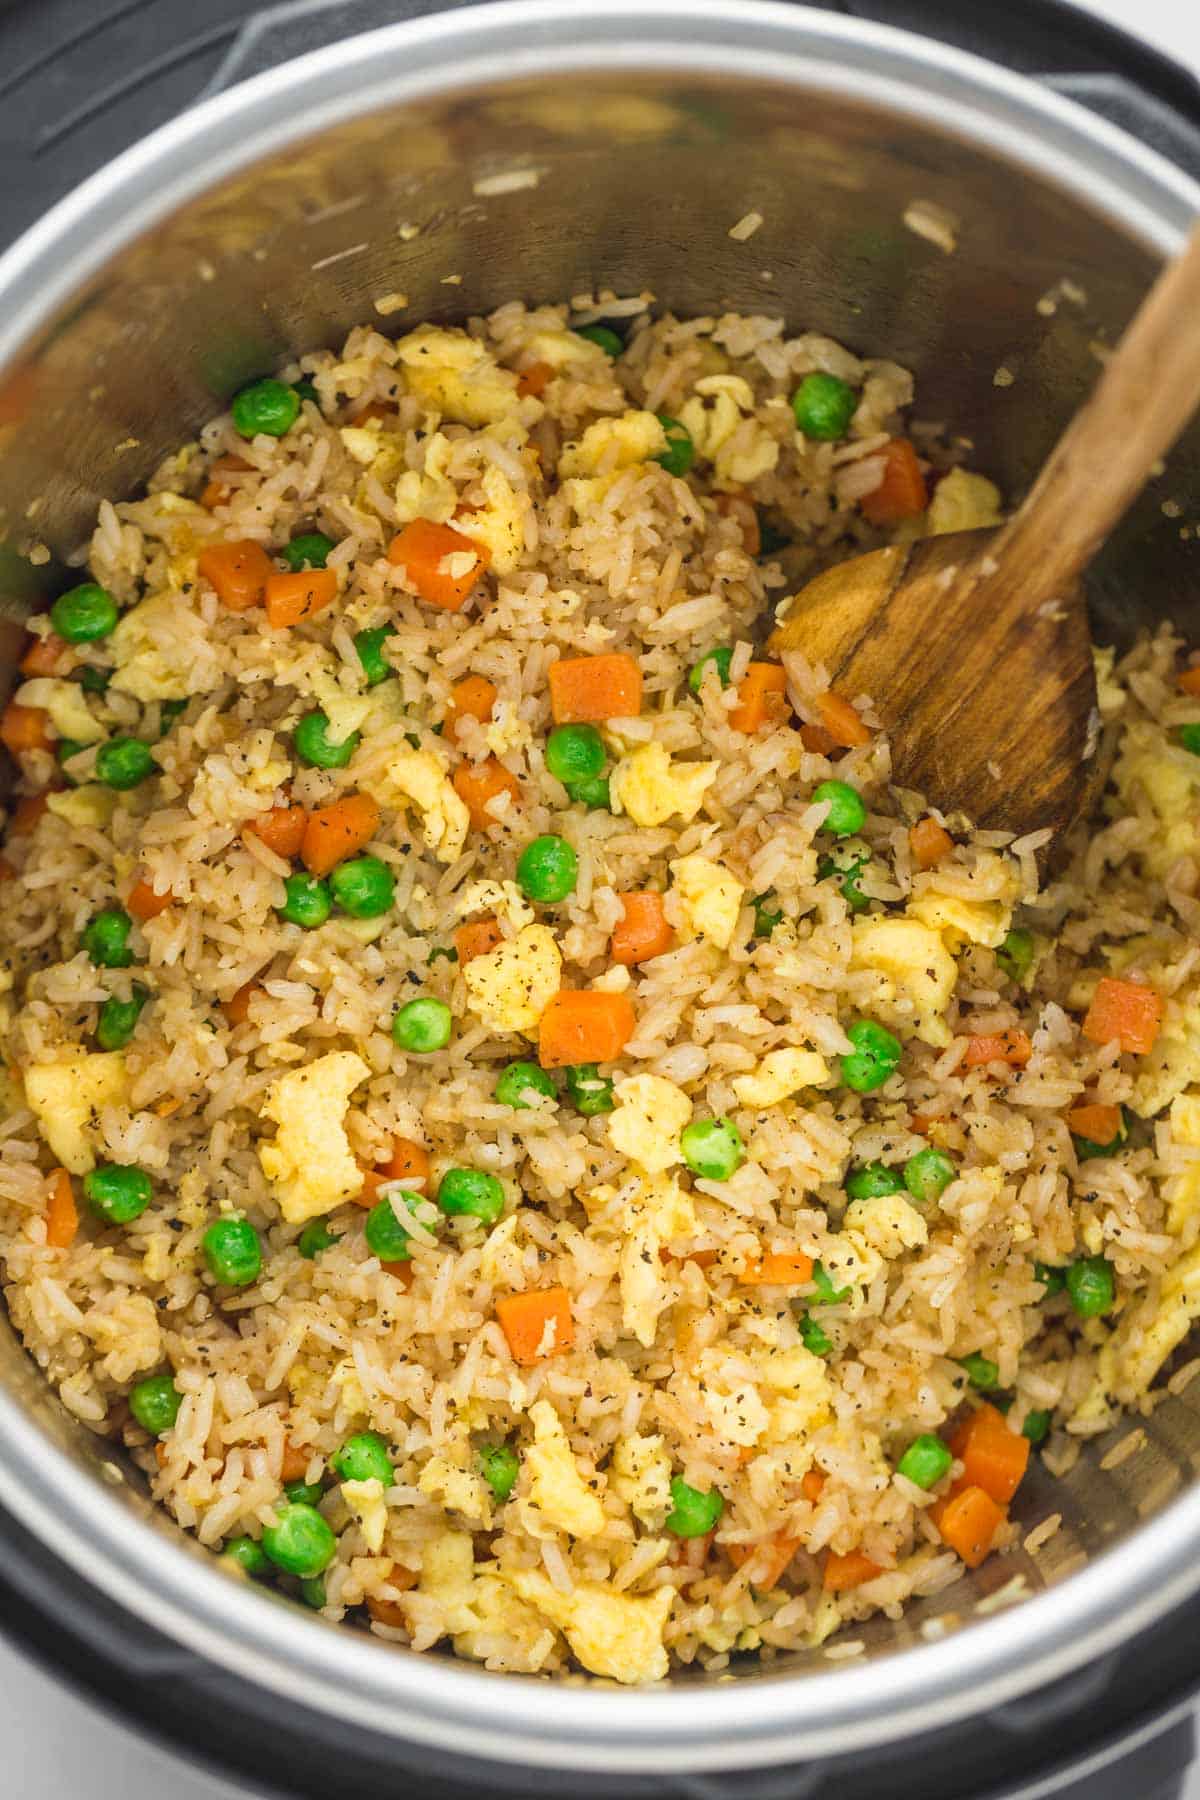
{"x":719,"y":417}
{"x":889,"y":1223}
{"x":310,"y":1163}
{"x":1169,"y":779}
{"x":455,"y":376}
{"x":651,"y":788}
{"x":1185,"y":1120}
{"x":562,"y":348}
{"x":449,"y":1480}
{"x":1182,"y":1191}
{"x":653,"y":1211}
{"x":708,"y":897}
{"x":649,"y":1112}
{"x":963,"y":921}
{"x":1173,"y":1064}
{"x":66,"y":1093}
{"x":91,"y":805}
{"x":428,"y":493}
{"x":365,"y":1501}
{"x":616,"y":1635}
{"x":127,"y":1337}
{"x":448,"y":1577}
{"x":417,"y":777}
{"x":798,"y":1393}
{"x":500,"y":522}
{"x":914,"y":970}
{"x":729,"y":1399}
{"x":346,"y":711}
{"x":779,"y":1075}
{"x":640,"y":1475}
{"x":352,"y":1398}
{"x":503,"y":899}
{"x":69,"y":712}
{"x":851,"y":1263}
{"x":1140,"y":1345}
{"x":558,"y":1496}
{"x":611,"y":444}
{"x":511,"y":986}
{"x":963,"y":501}
{"x":163,"y":651}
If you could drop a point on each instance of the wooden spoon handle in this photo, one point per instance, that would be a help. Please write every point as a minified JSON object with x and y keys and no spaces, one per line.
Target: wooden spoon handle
{"x":1149,"y":390}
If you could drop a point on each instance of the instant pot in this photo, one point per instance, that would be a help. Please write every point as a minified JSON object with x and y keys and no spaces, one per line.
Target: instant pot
{"x":984,"y":196}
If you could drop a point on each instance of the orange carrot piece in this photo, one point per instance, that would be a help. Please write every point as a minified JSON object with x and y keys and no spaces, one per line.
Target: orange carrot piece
{"x":842,"y":722}
{"x":390,"y":1612}
{"x":584,"y":1025}
{"x":817,"y":740}
{"x":762,"y":698}
{"x":813,"y":1486}
{"x":24,"y":728}
{"x":902,"y":493}
{"x":842,"y":1573}
{"x":472,"y":698}
{"x":294,"y":1466}
{"x":237,"y":1007}
{"x":736,"y":506}
{"x":334,"y":832}
{"x":587,"y":689}
{"x":477,"y":938}
{"x":968,"y":1521}
{"x":26,"y":813}
{"x":994,"y":1457}
{"x":49,"y":655}
{"x":62,"y":1215}
{"x":291,"y":598}
{"x":239,"y":571}
{"x":1129,"y":1011}
{"x":778,"y":1268}
{"x":769,"y":1561}
{"x":1012,"y":1047}
{"x":217,"y":492}
{"x":535,"y":380}
{"x":144,"y":903}
{"x":1189,"y":680}
{"x":423,"y":550}
{"x":703,"y":1259}
{"x":282,"y":829}
{"x":477,"y":784}
{"x":930,"y":843}
{"x":403,"y":1272}
{"x":536,"y":1324}
{"x":407,"y":1161}
{"x":642,"y":930}
{"x":1098,"y":1123}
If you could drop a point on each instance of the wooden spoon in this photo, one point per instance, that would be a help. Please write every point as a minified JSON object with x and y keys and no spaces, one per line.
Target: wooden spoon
{"x":974,"y":646}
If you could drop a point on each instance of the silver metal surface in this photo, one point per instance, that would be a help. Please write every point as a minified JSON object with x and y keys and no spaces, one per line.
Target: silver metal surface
{"x":264,"y":223}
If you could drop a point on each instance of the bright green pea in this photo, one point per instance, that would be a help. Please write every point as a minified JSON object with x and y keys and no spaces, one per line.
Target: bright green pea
{"x":247,"y":1554}
{"x":719,"y":658}
{"x":118,"y":1192}
{"x":316,"y":1237}
{"x":422,"y":1026}
{"x":308,"y":551}
{"x":106,"y":938}
{"x":471,"y":1193}
{"x":1053,"y":1280}
{"x":265,"y":408}
{"x":1189,"y":737}
{"x":847,"y":814}
{"x":118,"y":1018}
{"x":575,"y":753}
{"x":680,"y":452}
{"x":499,"y":1465}
{"x":364,"y":887}
{"x":1015,"y":954}
{"x":814,"y":1337}
{"x":547,"y":870}
{"x":303,"y":1493}
{"x":873,"y":1059}
{"x":308,"y":901}
{"x":1037,"y":1426}
{"x":824,"y":407}
{"x":588,"y":1091}
{"x":85,"y":613}
{"x":766,"y":918}
{"x":315,"y":746}
{"x":369,"y":645}
{"x":981,"y":1372}
{"x":712,"y":1148}
{"x":604,"y":335}
{"x":847,"y":873}
{"x":520,"y":1079}
{"x":124,"y":762}
{"x":826,"y":1294}
{"x":300,"y":1542}
{"x":307,"y":391}
{"x":872,"y":1180}
{"x":155,"y":1403}
{"x":591,"y":791}
{"x":363,"y":1457}
{"x":1091,"y":1286}
{"x":928,"y":1174}
{"x":693,"y":1513}
{"x":385,"y":1235}
{"x":233,"y":1251}
{"x":925,"y":1461}
{"x":312,"y":1592}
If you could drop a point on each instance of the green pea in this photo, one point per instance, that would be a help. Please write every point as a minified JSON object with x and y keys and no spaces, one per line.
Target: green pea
{"x":588,"y":1091}
{"x":1015,"y":954}
{"x":94,"y":681}
{"x":1053,"y":1280}
{"x":369,"y":645}
{"x":575,"y":753}
{"x":520,"y":1079}
{"x":604,"y":335}
{"x":303,"y":1493}
{"x":847,"y":815}
{"x":824,"y":407}
{"x":680,"y":452}
{"x":247,"y":1554}
{"x":712,"y":1148}
{"x":1037,"y":1426}
{"x":155,"y":1403}
{"x":852,"y":894}
{"x":872,"y":1180}
{"x":300,"y":1542}
{"x":385,"y":1235}
{"x":118,"y":1018}
{"x":1091,"y":1286}
{"x":233,"y":1251}
{"x":307,"y":391}
{"x":693,"y":1513}
{"x":308,"y":901}
{"x":766,"y":918}
{"x":315,"y":746}
{"x":118,"y":1192}
{"x":471,"y":1193}
{"x":873,"y":1059}
{"x":547,"y":870}
{"x":981,"y":1371}
{"x":308,"y":551}
{"x":422,"y":1026}
{"x":928,"y":1174}
{"x":499,"y":1465}
{"x":591,"y":791}
{"x":925,"y":1461}
{"x":363,"y":1457}
{"x":364,"y":887}
{"x":312,"y":1592}
{"x":814,"y":1337}
{"x":827,"y":1294}
{"x":267,"y":408}
{"x":316,"y":1237}
{"x":1189,"y":737}
{"x":106,"y":938}
{"x":124,"y":762}
{"x":719,"y":659}
{"x":84,"y":613}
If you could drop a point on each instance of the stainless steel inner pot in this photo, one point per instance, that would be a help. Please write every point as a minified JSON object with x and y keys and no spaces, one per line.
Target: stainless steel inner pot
{"x":549,"y":151}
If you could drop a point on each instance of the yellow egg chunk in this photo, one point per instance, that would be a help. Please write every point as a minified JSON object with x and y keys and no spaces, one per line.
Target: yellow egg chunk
{"x":963,"y":501}
{"x":511,"y":986}
{"x":418,"y":777}
{"x":69,"y":711}
{"x":66,"y":1093}
{"x":890,"y":1223}
{"x":651,"y":788}
{"x":647,"y":1118}
{"x":310,"y":1163}
{"x":916,"y":973}
{"x":455,"y":375}
{"x":612,"y":1634}
{"x":611,"y":444}
{"x":709,"y":898}
{"x":558,"y":1495}
{"x":365,"y":1500}
{"x":163,"y":651}
{"x":779,"y":1075}
{"x":640,"y":1475}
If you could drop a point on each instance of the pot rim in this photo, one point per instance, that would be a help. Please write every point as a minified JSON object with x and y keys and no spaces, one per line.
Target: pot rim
{"x":430,"y":1699}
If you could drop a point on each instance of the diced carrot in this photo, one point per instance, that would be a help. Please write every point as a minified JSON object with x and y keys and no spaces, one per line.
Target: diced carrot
{"x":239,"y":571}
{"x":929,"y":843}
{"x":842,"y":721}
{"x":817,"y":740}
{"x":920,"y":1123}
{"x":968,"y":1521}
{"x":762,"y":698}
{"x":994,"y":1458}
{"x":217,"y":492}
{"x":282,"y":829}
{"x":477,"y":784}
{"x":403,"y":1272}
{"x":768,"y":1561}
{"x":291,"y":598}
{"x":902,"y":493}
{"x":237,"y":1007}
{"x":1189,"y":680}
{"x":49,"y":655}
{"x":703,"y":1259}
{"x":431,"y":556}
{"x":166,"y":1109}
{"x":587,"y":689}
{"x":642,"y":930}
{"x":736,"y":506}
{"x":62,"y":1215}
{"x":1129,"y":1011}
{"x":472,"y":698}
{"x":842,"y":1573}
{"x":1100,"y":1124}
{"x":26,"y":813}
{"x":536,"y":1324}
{"x":334,"y":832}
{"x":407,"y":1161}
{"x":294,"y":1466}
{"x":584,"y":1025}
{"x":812,"y":1486}
{"x":535,"y":379}
{"x":477,"y":938}
{"x":778,"y":1268}
{"x":1012,"y":1047}
{"x":390,"y":1612}
{"x":24,"y":728}
{"x":144,"y":903}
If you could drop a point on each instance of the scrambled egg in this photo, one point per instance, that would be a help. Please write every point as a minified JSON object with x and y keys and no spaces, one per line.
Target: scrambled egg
{"x":310,"y":1163}
{"x":611,"y":444}
{"x":651,"y":788}
{"x":889,"y":1223}
{"x":963,"y":501}
{"x":451,"y":1481}
{"x":511,"y":987}
{"x":558,"y":1495}
{"x":1170,"y":780}
{"x":915,"y":973}
{"x":730,"y":1401}
{"x":455,"y":376}
{"x":365,"y":1500}
{"x":428,"y":493}
{"x":851,"y":1263}
{"x":418,"y":776}
{"x":779,"y":1075}
{"x":1173,"y":1064}
{"x":128,"y":1338}
{"x":656,"y":1211}
{"x":345,"y":1378}
{"x":618,"y":1635}
{"x":640,"y":1474}
{"x":798,"y":1389}
{"x":346,"y":712}
{"x":646,"y":1120}
{"x":719,"y":417}
{"x":91,"y":805}
{"x":561,"y":348}
{"x":163,"y":651}
{"x":500,"y":524}
{"x":709,"y":897}
{"x":478,"y":1607}
{"x":963,"y":921}
{"x":502,"y":898}
{"x":1138,"y":1348}
{"x":65,"y":1096}
{"x":69,"y":712}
